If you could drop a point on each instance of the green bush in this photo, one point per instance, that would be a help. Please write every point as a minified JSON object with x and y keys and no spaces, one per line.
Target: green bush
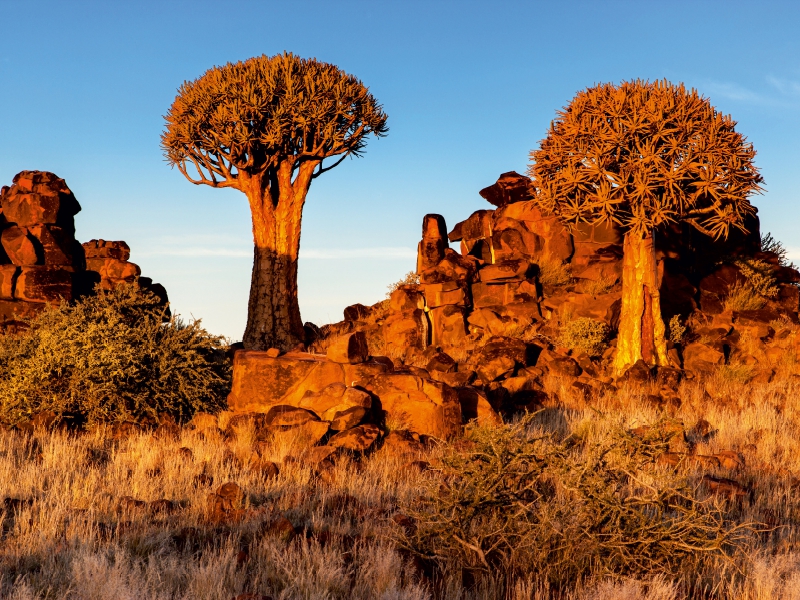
{"x":586,"y":335}
{"x":515,"y":500}
{"x":113,"y":357}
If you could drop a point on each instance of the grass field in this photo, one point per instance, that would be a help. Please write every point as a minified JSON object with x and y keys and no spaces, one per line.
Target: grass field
{"x":70,"y":532}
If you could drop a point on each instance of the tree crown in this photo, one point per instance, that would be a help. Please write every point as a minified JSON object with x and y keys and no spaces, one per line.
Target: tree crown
{"x":642,"y":154}
{"x":252,"y":116}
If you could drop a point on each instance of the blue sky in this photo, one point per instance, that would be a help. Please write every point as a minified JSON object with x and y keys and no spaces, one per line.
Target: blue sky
{"x":469,"y":87}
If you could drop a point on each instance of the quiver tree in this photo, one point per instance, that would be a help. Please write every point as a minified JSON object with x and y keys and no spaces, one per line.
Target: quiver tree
{"x":264,"y":126}
{"x":642,"y":155}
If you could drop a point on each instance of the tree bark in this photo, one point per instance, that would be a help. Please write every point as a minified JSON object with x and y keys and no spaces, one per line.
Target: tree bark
{"x":273,"y":311}
{"x":641,"y":328}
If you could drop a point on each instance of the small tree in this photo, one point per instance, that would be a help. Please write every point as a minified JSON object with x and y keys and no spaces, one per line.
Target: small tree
{"x":264,"y":126}
{"x":642,"y":155}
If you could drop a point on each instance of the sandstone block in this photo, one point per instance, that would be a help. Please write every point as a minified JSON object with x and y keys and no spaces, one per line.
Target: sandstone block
{"x":421,"y":405}
{"x":333,"y":399}
{"x":701,"y":359}
{"x":453,"y":267}
{"x":261,"y":382}
{"x":357,"y":312}
{"x":19,"y":246}
{"x":39,"y":197}
{"x":448,"y":326}
{"x":350,"y":349}
{"x":288,"y":416}
{"x":12,"y":311}
{"x":8,"y":280}
{"x":56,"y":246}
{"x":475,"y":407}
{"x":347,"y":419}
{"x":431,"y":249}
{"x":104,"y":249}
{"x":444,"y":294}
{"x":507,"y":269}
{"x":44,"y":284}
{"x":112,"y":268}
{"x":511,"y":187}
{"x":357,"y":439}
{"x":405,"y":298}
{"x":408,"y":329}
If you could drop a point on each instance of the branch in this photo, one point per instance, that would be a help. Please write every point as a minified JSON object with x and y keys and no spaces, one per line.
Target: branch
{"x":336,"y":164}
{"x":700,"y":228}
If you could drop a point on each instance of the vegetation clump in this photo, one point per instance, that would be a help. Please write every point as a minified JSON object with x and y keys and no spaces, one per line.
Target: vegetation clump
{"x":521,"y":501}
{"x":114,"y":357}
{"x":586,"y":335}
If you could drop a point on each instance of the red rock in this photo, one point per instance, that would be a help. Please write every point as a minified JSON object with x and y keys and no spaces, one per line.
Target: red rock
{"x":56,"y":246}
{"x":111,"y":268}
{"x":425,"y":406}
{"x":510,"y":187}
{"x":351,"y":348}
{"x":444,"y":294}
{"x":401,"y":442}
{"x":408,"y":329}
{"x":701,"y":359}
{"x":288,"y":416}
{"x":8,"y":280}
{"x":357,"y":439}
{"x":434,"y":241}
{"x":448,"y":326}
{"x":441,"y":362}
{"x":357,"y":312}
{"x":39,"y":198}
{"x":44,"y":284}
{"x":505,"y":270}
{"x":261,"y":382}
{"x":406,"y":298}
{"x":103,"y":249}
{"x":348,"y":418}
{"x":475,"y":406}
{"x":19,"y":246}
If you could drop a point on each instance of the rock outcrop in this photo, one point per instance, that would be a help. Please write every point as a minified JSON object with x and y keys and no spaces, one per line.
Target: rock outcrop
{"x":41,"y":262}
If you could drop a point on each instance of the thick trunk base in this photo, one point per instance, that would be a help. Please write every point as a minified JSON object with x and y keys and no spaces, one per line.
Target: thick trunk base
{"x":273,"y":311}
{"x":641,"y":334}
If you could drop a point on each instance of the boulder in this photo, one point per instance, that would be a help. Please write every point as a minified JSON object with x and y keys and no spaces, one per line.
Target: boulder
{"x":448,"y":326}
{"x":44,"y":284}
{"x":8,"y":280}
{"x":357,"y":439}
{"x":441,"y":362}
{"x":288,"y":416}
{"x":421,"y":405}
{"x":351,"y":349}
{"x":406,"y":298}
{"x":334,"y":399}
{"x":453,"y":267}
{"x":348,"y":418}
{"x":510,"y":187}
{"x":38,"y":197}
{"x":444,"y":294}
{"x":701,"y":359}
{"x":104,"y":249}
{"x":500,"y":357}
{"x":261,"y":382}
{"x":112,"y":268}
{"x":505,"y":270}
{"x":434,"y":241}
{"x":19,"y":246}
{"x":408,"y":329}
{"x":475,"y":407}
{"x":357,"y":312}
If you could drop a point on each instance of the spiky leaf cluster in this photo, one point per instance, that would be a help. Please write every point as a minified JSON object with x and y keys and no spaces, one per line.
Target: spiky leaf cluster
{"x":642,"y":154}
{"x":253,"y":115}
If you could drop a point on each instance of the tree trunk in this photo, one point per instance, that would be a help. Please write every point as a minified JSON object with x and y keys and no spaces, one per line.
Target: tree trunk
{"x":641,"y":327}
{"x":273,"y":311}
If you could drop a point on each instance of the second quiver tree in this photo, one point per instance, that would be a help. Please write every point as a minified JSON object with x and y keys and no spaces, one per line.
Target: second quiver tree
{"x":642,"y":155}
{"x":264,"y":126}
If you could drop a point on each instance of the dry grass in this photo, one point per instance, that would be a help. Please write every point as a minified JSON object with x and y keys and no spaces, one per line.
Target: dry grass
{"x":65,"y":538}
{"x":553,"y":271}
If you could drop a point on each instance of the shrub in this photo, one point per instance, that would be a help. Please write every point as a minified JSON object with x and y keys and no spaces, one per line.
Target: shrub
{"x":586,"y":335}
{"x":112,"y":357}
{"x":770,"y":244}
{"x":595,"y":287}
{"x":553,"y":271}
{"x":677,"y":330}
{"x":743,"y":296}
{"x":410,"y":278}
{"x":759,"y":276}
{"x":513,"y":500}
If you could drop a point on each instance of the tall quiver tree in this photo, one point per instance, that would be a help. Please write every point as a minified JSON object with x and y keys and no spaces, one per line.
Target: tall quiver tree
{"x":264,"y":126}
{"x":642,"y":155}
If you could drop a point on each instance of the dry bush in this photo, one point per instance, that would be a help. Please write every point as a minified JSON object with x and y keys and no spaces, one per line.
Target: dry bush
{"x":410,"y":278}
{"x":584,"y":334}
{"x":595,"y":287}
{"x":676,"y":329}
{"x":553,"y":271}
{"x":111,"y":357}
{"x":521,"y":501}
{"x":743,"y":296}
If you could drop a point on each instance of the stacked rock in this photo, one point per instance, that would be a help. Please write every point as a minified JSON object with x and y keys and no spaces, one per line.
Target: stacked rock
{"x":40,"y":258}
{"x":41,"y":262}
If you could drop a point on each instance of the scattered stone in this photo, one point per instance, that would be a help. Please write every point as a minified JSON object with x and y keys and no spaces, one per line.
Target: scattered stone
{"x":351,"y":348}
{"x":357,"y":439}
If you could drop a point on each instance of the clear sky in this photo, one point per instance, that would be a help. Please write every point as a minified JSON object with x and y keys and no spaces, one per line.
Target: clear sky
{"x":469,"y":87}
